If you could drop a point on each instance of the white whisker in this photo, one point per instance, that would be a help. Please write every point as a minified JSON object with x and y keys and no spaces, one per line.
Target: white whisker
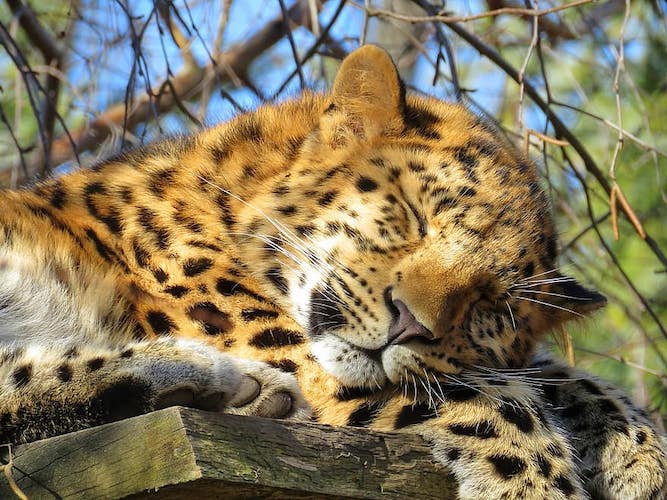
{"x":552,"y":294}
{"x":509,"y":308}
{"x":550,"y":305}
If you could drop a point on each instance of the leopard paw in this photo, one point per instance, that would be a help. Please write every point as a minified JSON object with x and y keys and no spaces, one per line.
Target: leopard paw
{"x":265,"y":391}
{"x":215,"y":381}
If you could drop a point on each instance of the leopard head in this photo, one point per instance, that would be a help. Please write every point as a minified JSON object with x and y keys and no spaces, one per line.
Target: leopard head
{"x":423,"y":243}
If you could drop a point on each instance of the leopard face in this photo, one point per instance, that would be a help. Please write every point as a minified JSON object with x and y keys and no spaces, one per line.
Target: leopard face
{"x":413,"y":240}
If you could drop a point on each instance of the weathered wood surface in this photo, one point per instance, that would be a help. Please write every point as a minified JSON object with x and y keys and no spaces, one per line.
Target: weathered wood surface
{"x":179,"y":453}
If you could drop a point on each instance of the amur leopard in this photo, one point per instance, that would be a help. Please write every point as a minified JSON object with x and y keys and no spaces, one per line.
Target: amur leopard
{"x":364,"y":258}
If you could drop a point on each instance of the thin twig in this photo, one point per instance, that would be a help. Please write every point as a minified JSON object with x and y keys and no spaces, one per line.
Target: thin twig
{"x":7,"y":471}
{"x":185,"y":83}
{"x":561,"y":130}
{"x":292,"y":44}
{"x":516,"y":11}
{"x":620,"y":63}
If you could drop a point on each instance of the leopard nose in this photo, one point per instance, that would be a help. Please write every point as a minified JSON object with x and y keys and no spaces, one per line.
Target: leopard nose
{"x":404,"y":326}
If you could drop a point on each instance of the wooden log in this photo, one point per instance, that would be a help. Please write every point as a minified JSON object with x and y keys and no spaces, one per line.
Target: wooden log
{"x":180,"y":452}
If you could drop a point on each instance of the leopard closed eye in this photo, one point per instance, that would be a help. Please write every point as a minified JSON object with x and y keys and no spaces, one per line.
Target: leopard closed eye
{"x":356,"y":257}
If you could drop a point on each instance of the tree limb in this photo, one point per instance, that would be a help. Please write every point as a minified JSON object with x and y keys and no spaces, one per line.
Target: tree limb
{"x":184,"y":85}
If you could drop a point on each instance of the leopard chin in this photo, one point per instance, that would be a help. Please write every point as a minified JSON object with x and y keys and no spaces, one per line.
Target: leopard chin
{"x":350,"y":364}
{"x":356,"y":366}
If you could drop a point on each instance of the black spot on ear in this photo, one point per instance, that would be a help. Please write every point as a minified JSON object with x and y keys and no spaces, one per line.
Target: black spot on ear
{"x":414,"y":414}
{"x":364,"y":184}
{"x":276,"y":337}
{"x":507,"y":466}
{"x":453,"y":454}
{"x":481,"y":430}
{"x":160,"y":322}
{"x":21,"y":376}
{"x":422,"y":121}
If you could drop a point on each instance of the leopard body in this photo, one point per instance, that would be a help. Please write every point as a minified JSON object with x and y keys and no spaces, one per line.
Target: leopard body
{"x":360,"y":258}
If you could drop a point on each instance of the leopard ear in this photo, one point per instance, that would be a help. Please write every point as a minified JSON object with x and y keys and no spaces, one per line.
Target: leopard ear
{"x":571,"y":299}
{"x":367,"y":98}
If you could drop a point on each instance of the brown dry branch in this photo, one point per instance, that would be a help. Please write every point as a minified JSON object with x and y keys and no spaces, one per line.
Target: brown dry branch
{"x":184,"y":85}
{"x":543,"y":137}
{"x":53,"y":56}
{"x":7,"y":471}
{"x":447,"y":19}
{"x":616,"y":197}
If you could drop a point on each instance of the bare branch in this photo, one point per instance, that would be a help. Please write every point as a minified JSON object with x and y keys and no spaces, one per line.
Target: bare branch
{"x":184,"y":85}
{"x":38,"y":34}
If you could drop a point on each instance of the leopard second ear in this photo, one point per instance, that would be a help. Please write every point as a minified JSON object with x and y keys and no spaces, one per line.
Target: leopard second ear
{"x":571,"y":299}
{"x":367,"y":98}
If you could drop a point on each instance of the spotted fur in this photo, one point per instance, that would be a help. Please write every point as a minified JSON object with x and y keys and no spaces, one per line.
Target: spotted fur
{"x":391,"y":254}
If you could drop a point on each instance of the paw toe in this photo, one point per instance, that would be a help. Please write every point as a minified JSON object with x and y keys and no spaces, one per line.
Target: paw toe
{"x":277,"y":405}
{"x":246,"y":392}
{"x":179,"y":396}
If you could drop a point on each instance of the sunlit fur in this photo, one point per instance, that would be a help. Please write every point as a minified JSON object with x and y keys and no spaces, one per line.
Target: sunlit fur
{"x":288,"y":235}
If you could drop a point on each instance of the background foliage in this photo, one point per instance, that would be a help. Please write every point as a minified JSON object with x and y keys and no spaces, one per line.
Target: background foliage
{"x":580,"y":83}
